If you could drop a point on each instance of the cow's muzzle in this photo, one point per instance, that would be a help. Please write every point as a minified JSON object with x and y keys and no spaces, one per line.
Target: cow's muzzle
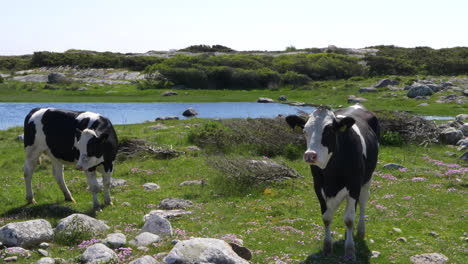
{"x":310,"y":157}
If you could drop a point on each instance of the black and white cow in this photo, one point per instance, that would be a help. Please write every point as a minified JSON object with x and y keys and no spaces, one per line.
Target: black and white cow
{"x":85,"y":139}
{"x":342,"y":149}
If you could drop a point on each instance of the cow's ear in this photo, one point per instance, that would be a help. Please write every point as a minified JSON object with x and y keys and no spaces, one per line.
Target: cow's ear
{"x":294,"y":120}
{"x":344,"y":124}
{"x":103,"y":137}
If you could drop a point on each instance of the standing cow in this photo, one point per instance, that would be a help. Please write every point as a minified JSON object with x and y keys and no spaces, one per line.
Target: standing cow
{"x":342,"y":149}
{"x":85,"y":139}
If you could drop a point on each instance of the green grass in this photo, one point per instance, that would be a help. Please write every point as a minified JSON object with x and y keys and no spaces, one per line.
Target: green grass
{"x":276,"y":221}
{"x":334,"y":93}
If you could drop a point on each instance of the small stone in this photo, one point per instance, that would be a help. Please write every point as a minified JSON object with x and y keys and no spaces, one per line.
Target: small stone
{"x":166,"y":213}
{"x":434,"y":234}
{"x":195,"y":182}
{"x":392,"y":166}
{"x":46,"y":260}
{"x":451,"y":154}
{"x":145,"y":239}
{"x":151,"y":186}
{"x":82,"y":89}
{"x":157,"y":225}
{"x":43,"y":252}
{"x":283,"y":98}
{"x":398,"y":230}
{"x":11,"y":259}
{"x":423,"y":104}
{"x":464,"y":157}
{"x":174,"y":203}
{"x":265,"y":100}
{"x":368,"y":90}
{"x":44,"y":245}
{"x":115,"y":240}
{"x":126,"y":204}
{"x":375,"y":254}
{"x":142,"y":248}
{"x":402,"y":239}
{"x":429,"y":258}
{"x":371,"y":241}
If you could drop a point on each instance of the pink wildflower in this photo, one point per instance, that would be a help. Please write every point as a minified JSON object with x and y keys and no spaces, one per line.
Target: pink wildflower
{"x":416,"y":179}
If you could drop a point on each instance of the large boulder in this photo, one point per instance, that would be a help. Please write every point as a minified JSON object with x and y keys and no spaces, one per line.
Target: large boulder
{"x":157,"y":225}
{"x":429,"y":258}
{"x":422,"y":90}
{"x":26,"y":234}
{"x":203,"y":250}
{"x":190,"y":112}
{"x":56,"y":77}
{"x":450,"y":136}
{"x":80,"y":223}
{"x":98,"y":253}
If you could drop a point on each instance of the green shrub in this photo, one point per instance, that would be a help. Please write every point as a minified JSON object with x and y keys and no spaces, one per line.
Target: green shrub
{"x":1,"y":79}
{"x":294,"y":78}
{"x":391,"y":138}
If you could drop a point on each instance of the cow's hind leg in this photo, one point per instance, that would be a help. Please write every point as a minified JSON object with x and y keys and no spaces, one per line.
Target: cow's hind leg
{"x":363,"y":197}
{"x":57,"y":170}
{"x":32,"y":156}
{"x":93,"y":187}
{"x":349,"y":216}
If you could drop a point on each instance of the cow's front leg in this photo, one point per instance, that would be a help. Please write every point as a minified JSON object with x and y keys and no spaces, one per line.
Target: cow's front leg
{"x":349,"y":216}
{"x":327,"y":218}
{"x":93,"y":187}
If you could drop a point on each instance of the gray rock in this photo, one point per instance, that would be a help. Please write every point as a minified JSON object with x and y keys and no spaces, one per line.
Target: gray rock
{"x":435,"y":88}
{"x":397,"y":230}
{"x":463,"y":144}
{"x":31,"y":78}
{"x":56,"y":77}
{"x":190,"y":112}
{"x":353,"y":99}
{"x":144,"y":239}
{"x":46,"y":260}
{"x":145,"y":260}
{"x":423,"y":104}
{"x":157,"y":225}
{"x":434,"y":234}
{"x":43,"y":252}
{"x":462,"y":118}
{"x":265,"y":100}
{"x":158,"y":126}
{"x":421,"y":97}
{"x":385,"y":83}
{"x":82,"y":89}
{"x":126,"y":204}
{"x":20,"y":137}
{"x":166,"y":213}
{"x":114,"y":182}
{"x":375,"y":254}
{"x":450,"y":154}
{"x":392,"y":166}
{"x":17,"y":251}
{"x":429,"y":258}
{"x":241,"y":251}
{"x":422,"y":90}
{"x":169,"y":93}
{"x":150,"y":186}
{"x":163,"y":118}
{"x":115,"y":240}
{"x":464,"y":157}
{"x":464,"y":129}
{"x":203,"y":250}
{"x":11,"y":259}
{"x":80,"y":223}
{"x":450,"y":136}
{"x":465,"y":92}
{"x":98,"y":253}
{"x":44,"y":245}
{"x":26,"y":234}
{"x":402,"y":239}
{"x":195,"y":182}
{"x":297,"y":104}
{"x":174,"y":203}
{"x":283,"y":98}
{"x":368,"y":90}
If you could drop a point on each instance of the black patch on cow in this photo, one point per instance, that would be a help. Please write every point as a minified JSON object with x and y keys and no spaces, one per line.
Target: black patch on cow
{"x":94,"y":147}
{"x":29,"y":129}
{"x":59,"y":128}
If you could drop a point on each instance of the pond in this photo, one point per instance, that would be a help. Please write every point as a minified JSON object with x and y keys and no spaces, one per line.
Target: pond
{"x":12,"y":114}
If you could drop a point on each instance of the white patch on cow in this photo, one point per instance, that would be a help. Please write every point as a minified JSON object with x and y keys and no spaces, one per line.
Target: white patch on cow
{"x":39,"y":138}
{"x":313,"y":130}
{"x":84,"y":161}
{"x":356,"y":106}
{"x":363,"y":142}
{"x":334,"y":202}
{"x":92,"y":117}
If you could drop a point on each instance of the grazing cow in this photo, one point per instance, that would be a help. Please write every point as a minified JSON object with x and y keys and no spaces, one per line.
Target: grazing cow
{"x":85,"y":139}
{"x":342,"y":149}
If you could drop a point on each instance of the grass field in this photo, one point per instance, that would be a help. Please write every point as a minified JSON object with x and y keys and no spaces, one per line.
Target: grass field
{"x":279,"y":222}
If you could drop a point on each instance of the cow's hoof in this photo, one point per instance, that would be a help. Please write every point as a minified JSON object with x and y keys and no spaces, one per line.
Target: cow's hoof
{"x":71,"y":200}
{"x":361,"y":234}
{"x":328,"y":249}
{"x":350,"y":256}
{"x":31,"y":201}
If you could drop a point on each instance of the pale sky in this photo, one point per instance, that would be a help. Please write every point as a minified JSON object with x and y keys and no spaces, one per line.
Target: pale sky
{"x":143,"y":25}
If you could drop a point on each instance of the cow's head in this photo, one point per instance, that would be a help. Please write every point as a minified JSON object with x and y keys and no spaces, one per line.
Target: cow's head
{"x":91,"y":148}
{"x":321,"y":130}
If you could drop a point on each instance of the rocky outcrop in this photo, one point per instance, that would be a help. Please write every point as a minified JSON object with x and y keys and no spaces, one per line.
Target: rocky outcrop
{"x":450,"y":136}
{"x":421,"y":90}
{"x":26,"y":234}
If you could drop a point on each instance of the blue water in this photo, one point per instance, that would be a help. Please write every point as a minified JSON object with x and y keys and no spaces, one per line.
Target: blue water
{"x":12,"y":114}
